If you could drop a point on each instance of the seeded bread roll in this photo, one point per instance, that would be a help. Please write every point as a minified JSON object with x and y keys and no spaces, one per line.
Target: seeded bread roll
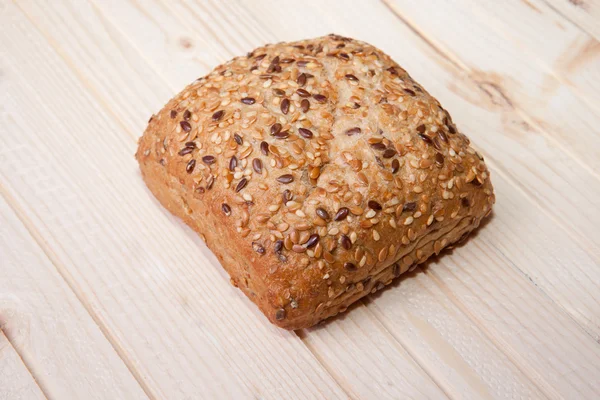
{"x":317,"y":172}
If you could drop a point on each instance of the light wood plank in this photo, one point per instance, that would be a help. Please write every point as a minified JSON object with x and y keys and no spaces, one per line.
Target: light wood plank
{"x":185,"y":332}
{"x":534,"y":34}
{"x":548,"y":57}
{"x":16,"y":383}
{"x":585,"y":14}
{"x":511,"y":69}
{"x":323,"y":341}
{"x":62,"y":346}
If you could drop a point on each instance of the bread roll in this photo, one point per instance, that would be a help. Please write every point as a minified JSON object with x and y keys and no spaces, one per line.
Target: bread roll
{"x":317,"y":171}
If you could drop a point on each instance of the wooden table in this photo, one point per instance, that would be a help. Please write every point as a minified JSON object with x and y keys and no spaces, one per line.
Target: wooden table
{"x":104,"y":295}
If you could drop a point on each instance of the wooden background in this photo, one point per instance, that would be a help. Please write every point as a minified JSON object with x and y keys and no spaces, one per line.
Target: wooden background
{"x":104,"y":295}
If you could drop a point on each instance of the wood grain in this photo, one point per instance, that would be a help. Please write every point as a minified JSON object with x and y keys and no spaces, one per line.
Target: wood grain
{"x":584,"y":14}
{"x":16,"y":383}
{"x":62,"y":346}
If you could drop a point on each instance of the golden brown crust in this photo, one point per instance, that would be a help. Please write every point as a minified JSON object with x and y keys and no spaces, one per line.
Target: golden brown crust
{"x":316,"y":171}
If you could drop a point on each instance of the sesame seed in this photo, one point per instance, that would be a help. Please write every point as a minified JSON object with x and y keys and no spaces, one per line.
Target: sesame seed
{"x":208,"y":160}
{"x":351,"y":77}
{"x":341,"y":214}
{"x":376,"y":235}
{"x":238,"y":139}
{"x":248,"y":100}
{"x":378,"y":146}
{"x":424,"y":163}
{"x":411,"y":92}
{"x":363,"y":261}
{"x":297,"y":248}
{"x":173,"y":114}
{"x":370,"y":214}
{"x":241,"y":184}
{"x":286,"y":178}
{"x":189,"y":168}
{"x":185,"y":126}
{"x":187,"y":115}
{"x":408,"y":220}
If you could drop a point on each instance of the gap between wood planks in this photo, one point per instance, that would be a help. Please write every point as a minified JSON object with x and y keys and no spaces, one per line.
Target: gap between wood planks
{"x":576,"y":3}
{"x":64,"y":274}
{"x":487,"y":86}
{"x":38,"y":383}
